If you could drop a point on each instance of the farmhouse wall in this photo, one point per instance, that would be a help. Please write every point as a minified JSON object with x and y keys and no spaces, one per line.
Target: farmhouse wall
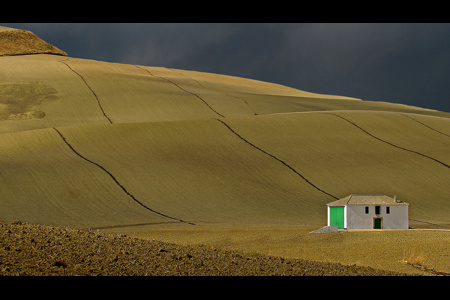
{"x":398,"y":218}
{"x":358,"y":219}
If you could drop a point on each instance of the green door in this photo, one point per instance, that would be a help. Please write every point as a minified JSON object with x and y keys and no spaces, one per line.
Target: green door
{"x":377,"y":223}
{"x":337,"y":216}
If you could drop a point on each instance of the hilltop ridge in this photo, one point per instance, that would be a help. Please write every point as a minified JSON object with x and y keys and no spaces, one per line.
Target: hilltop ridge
{"x":22,"y":42}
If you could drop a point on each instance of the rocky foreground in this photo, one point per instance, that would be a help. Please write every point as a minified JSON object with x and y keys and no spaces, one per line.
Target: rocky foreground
{"x":37,"y":250}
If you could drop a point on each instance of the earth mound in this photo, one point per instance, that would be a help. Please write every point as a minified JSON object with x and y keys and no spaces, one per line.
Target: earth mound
{"x":21,"y":42}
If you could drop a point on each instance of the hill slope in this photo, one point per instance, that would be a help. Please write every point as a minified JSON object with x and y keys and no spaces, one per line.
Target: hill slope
{"x":85,"y":143}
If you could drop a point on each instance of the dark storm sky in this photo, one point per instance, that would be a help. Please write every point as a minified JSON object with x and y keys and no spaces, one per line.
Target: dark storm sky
{"x":396,"y":62}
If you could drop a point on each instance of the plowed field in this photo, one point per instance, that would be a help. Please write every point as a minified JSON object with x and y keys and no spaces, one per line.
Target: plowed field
{"x":42,"y":250}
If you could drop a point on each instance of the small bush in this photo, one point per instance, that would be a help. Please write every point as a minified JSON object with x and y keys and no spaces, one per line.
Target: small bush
{"x":414,"y":257}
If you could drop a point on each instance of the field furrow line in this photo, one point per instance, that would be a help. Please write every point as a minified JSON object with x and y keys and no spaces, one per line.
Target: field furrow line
{"x":389,"y":143}
{"x":245,"y":102}
{"x":85,"y":82}
{"x":200,"y":84}
{"x":277,"y":159}
{"x":434,"y":224}
{"x":186,"y":91}
{"x":115,"y":180}
{"x":429,"y":127}
{"x":130,"y":225}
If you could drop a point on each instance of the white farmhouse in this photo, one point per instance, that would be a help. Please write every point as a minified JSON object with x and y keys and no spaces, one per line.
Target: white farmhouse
{"x":368,"y":212}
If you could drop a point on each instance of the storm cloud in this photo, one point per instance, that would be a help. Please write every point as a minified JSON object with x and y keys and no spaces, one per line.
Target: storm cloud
{"x":400,"y":63}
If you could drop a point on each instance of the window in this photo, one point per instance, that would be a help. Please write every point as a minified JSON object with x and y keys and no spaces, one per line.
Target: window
{"x":367,"y":210}
{"x":388,"y":210}
{"x":377,"y":210}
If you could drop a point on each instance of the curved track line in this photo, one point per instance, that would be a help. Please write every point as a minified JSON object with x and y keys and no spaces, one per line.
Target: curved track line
{"x":389,"y":143}
{"x":145,"y":70}
{"x":129,"y":225}
{"x":446,"y":226}
{"x":115,"y":180}
{"x":276,"y":158}
{"x":84,"y":80}
{"x":198,"y":82}
{"x":246,"y":103}
{"x":203,"y":100}
{"x":425,"y":125}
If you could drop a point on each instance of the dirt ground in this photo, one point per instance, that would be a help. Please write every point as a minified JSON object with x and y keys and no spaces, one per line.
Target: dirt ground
{"x":381,"y":249}
{"x":38,"y":250}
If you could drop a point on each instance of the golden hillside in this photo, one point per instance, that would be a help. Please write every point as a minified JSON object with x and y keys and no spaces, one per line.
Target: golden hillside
{"x":86,"y":143}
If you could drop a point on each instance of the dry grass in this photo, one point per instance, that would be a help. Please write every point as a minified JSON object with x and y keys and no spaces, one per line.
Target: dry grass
{"x":419,"y":260}
{"x":414,"y":258}
{"x":22,"y":42}
{"x":383,"y":249}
